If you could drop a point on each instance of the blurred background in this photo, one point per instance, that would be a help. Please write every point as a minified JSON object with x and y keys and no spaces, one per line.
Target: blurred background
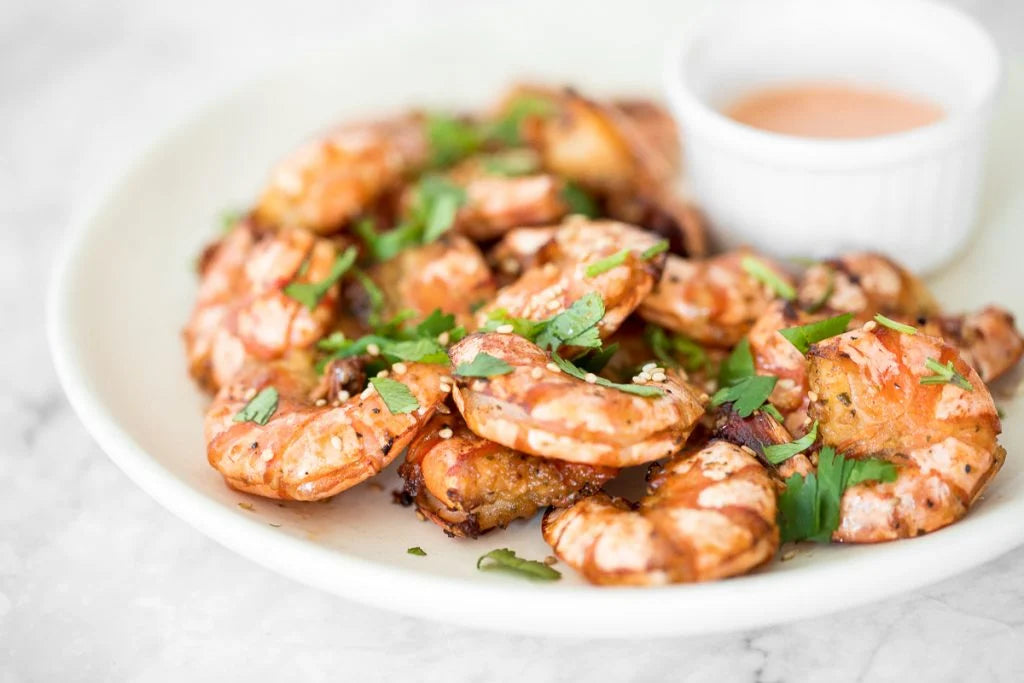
{"x":98,"y":582}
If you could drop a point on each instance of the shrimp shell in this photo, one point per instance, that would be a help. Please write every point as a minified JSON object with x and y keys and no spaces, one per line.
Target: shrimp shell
{"x":709,"y":514}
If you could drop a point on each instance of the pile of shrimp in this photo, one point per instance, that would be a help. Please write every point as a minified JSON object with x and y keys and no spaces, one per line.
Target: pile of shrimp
{"x":520,"y":305}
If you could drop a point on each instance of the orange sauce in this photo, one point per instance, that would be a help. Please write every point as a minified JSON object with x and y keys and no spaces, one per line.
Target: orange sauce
{"x":816,"y":110}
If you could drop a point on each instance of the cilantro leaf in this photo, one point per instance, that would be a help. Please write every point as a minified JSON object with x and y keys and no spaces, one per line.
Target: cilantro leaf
{"x":396,"y":396}
{"x":578,"y":201}
{"x":309,"y":293}
{"x":259,"y":408}
{"x":568,"y":368}
{"x":451,"y":139}
{"x":668,"y":347}
{"x":595,"y":359}
{"x":894,"y":325}
{"x":435,"y":205}
{"x":513,"y":162}
{"x":521,"y":326}
{"x":746,"y":395}
{"x":419,"y":350}
{"x":809,"y":507}
{"x":416,"y":550}
{"x":506,"y":130}
{"x":483,"y":365}
{"x":779,"y":453}
{"x":383,"y":246}
{"x":945,"y":374}
{"x":229,"y":219}
{"x":804,"y":335}
{"x":575,"y":325}
{"x":506,"y":560}
{"x":760,"y":270}
{"x":435,"y":323}
{"x":738,"y":365}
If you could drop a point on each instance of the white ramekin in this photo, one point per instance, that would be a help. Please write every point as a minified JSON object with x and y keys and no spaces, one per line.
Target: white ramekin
{"x":912,"y":195}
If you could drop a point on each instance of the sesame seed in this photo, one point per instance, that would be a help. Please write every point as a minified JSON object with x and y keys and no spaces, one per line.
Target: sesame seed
{"x":336,"y":442}
{"x":373,"y":349}
{"x":590,"y":378}
{"x":321,"y":402}
{"x":747,"y":449}
{"x":443,"y":409}
{"x":504,"y":329}
{"x":659,"y":377}
{"x":649,"y":367}
{"x":399,"y":368}
{"x":869,"y":325}
{"x":443,"y":338}
{"x":812,"y":395}
{"x":553,"y":304}
{"x":367,"y":392}
{"x":536,"y":373}
{"x":638,"y":380}
{"x":788,"y":555}
{"x":550,"y":560}
{"x":250,"y":393}
{"x":645,"y":376}
{"x":343,"y":396}
{"x":553,"y":368}
{"x":422,"y":410}
{"x":383,"y":373}
{"x":267,"y":455}
{"x":445,"y":387}
{"x":510,"y":265}
{"x":420,"y":516}
{"x":550,"y":269}
{"x":446,"y":433}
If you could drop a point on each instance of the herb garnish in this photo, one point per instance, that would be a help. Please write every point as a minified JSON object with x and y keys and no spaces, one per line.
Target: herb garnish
{"x":435,"y":204}
{"x":579,"y":202}
{"x":738,"y":365}
{"x":416,"y":550}
{"x":893,"y":325}
{"x":747,"y":394}
{"x":513,"y":162}
{"x":483,"y":365}
{"x":760,"y":270}
{"x":396,"y":396}
{"x":809,"y":507}
{"x":659,"y":247}
{"x":668,"y":347}
{"x":568,"y":368}
{"x":575,"y":326}
{"x":506,"y":130}
{"x":229,"y":219}
{"x":777,"y":454}
{"x":945,"y":374}
{"x":394,"y":342}
{"x":803,"y":336}
{"x":505,"y":560}
{"x":452,"y":139}
{"x":618,"y":258}
{"x":309,"y":293}
{"x":259,"y":408}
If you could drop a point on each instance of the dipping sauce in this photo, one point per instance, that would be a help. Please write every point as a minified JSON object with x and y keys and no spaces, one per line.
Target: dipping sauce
{"x":815,"y":110}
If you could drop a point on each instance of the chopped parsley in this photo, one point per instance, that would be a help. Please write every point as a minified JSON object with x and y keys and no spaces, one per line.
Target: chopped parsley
{"x":396,"y":396}
{"x":505,"y":560}
{"x":483,"y":365}
{"x":893,"y":325}
{"x":451,"y":139}
{"x":568,"y":368}
{"x":809,"y":507}
{"x":668,"y":348}
{"x":760,"y":270}
{"x":738,"y":365}
{"x":432,"y":213}
{"x":575,"y":326}
{"x":804,"y":335}
{"x":945,"y":374}
{"x":394,"y":342}
{"x":777,"y":454}
{"x":309,"y":293}
{"x":416,"y":550}
{"x":259,"y":408}
{"x":579,"y":202}
{"x":507,"y":129}
{"x":747,"y":394}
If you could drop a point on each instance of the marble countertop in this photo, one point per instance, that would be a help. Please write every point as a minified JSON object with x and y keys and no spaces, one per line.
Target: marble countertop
{"x":98,"y":582}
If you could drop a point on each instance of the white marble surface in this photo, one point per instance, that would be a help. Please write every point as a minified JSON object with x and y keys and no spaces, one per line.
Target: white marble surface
{"x":97,"y":582}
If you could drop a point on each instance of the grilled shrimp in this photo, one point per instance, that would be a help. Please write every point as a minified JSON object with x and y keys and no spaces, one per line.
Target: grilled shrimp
{"x":708,"y":514}
{"x":550,"y":288}
{"x":449,"y":274}
{"x":540,"y":410}
{"x":864,"y":284}
{"x":988,"y":339}
{"x":870,"y":402}
{"x":468,"y":485}
{"x":714,"y":301}
{"x":311,"y":448}
{"x":329,"y":181}
{"x":242,"y":312}
{"x":518,"y":251}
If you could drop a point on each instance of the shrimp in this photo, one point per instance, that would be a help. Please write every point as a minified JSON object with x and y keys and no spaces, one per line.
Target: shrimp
{"x":518,"y":250}
{"x":870,"y":402}
{"x":988,"y":339}
{"x":327,"y":182}
{"x":757,"y":431}
{"x":663,"y":213}
{"x":547,"y":289}
{"x":312,"y":448}
{"x":242,"y":312}
{"x":449,"y":274}
{"x":709,"y":514}
{"x":714,"y":301}
{"x":468,"y":485}
{"x":539,"y":410}
{"x":864,"y":284}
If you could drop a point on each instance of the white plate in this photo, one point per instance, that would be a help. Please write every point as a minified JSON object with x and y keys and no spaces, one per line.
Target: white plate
{"x":124,"y":288}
